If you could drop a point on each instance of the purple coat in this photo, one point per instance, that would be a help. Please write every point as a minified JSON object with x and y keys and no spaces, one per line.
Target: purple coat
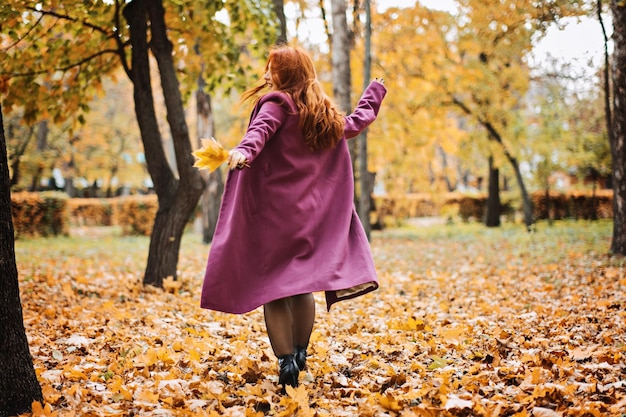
{"x":287,"y":224}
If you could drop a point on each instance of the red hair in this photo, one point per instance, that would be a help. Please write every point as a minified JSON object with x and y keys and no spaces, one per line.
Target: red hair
{"x":293,"y":72}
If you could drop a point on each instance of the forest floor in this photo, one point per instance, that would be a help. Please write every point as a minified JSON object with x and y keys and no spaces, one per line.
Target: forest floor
{"x":468,"y":321}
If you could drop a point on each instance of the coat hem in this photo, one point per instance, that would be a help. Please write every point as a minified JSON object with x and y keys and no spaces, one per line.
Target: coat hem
{"x":331,"y":296}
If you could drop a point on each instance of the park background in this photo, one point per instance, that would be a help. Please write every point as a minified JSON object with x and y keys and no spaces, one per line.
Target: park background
{"x":425,"y":145}
{"x":476,"y":130}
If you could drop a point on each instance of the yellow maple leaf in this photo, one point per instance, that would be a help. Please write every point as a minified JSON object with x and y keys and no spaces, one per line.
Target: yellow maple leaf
{"x":299,"y":395}
{"x":143,"y":395}
{"x":296,"y":402}
{"x":51,"y":394}
{"x":210,"y":156}
{"x":42,"y":411}
{"x":74,"y":374}
{"x":121,"y":393}
{"x":389,"y":402}
{"x":68,"y":291}
{"x":582,"y":354}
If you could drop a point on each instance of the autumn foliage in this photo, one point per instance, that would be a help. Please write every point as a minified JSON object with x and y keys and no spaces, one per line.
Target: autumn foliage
{"x":467,"y":322}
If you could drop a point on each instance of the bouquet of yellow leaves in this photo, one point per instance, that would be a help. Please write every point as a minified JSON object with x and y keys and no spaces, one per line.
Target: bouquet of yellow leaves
{"x":210,"y":156}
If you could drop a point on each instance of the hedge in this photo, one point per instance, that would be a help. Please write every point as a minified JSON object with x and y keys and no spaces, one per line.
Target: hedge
{"x":573,"y":205}
{"x":393,"y":210}
{"x":91,"y":211}
{"x":39,"y":214}
{"x":136,"y":214}
{"x":53,"y":213}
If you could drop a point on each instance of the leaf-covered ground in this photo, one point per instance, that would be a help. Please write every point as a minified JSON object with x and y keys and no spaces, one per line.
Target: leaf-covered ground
{"x":468,"y":321}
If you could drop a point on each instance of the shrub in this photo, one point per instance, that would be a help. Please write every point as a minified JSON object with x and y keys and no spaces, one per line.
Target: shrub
{"x":472,"y":208}
{"x":136,"y":214}
{"x":394,"y":210}
{"x":575,"y":204}
{"x":39,"y":214}
{"x":91,"y":211}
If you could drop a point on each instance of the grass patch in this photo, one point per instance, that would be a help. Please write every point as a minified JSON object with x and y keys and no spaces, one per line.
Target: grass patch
{"x":545,"y":243}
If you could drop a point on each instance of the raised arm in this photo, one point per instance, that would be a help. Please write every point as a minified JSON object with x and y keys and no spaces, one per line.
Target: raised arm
{"x":366,"y":110}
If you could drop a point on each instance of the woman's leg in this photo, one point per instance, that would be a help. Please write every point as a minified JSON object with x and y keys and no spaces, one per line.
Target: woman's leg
{"x":303,"y":313}
{"x":279,"y":323}
{"x":289,"y":322}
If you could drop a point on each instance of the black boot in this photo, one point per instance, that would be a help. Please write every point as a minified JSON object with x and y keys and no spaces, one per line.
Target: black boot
{"x":300,"y":357}
{"x":288,"y":371}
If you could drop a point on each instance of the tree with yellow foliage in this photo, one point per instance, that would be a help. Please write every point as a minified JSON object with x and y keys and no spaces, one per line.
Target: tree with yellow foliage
{"x":464,"y":69}
{"x":54,"y":56}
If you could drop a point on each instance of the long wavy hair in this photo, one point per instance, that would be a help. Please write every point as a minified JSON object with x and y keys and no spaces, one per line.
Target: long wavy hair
{"x":292,"y":71}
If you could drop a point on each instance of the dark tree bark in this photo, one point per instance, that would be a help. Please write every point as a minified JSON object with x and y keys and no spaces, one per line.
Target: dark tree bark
{"x":618,"y":138}
{"x":177,"y":197}
{"x":279,"y":9}
{"x":492,"y":215}
{"x":18,"y":382}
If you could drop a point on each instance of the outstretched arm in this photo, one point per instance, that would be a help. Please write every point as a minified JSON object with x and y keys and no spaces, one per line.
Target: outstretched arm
{"x":366,"y":110}
{"x":266,"y":120}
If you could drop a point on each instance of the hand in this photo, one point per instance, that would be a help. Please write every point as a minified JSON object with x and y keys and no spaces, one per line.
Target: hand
{"x":236,"y":160}
{"x":379,"y":80}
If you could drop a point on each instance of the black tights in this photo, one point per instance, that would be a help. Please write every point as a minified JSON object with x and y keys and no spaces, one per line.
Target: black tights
{"x":289,"y":322}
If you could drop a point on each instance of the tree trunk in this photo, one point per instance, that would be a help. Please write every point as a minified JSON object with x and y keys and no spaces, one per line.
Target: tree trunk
{"x":549,"y":212}
{"x":34,"y":184}
{"x":42,"y":135}
{"x":17,"y":157}
{"x":444,"y":167}
{"x":279,"y":9}
{"x":211,"y":199}
{"x":527,"y":205}
{"x":18,"y":382}
{"x":495,"y":136}
{"x":177,"y":197}
{"x":68,"y":187}
{"x":607,"y":75}
{"x":594,"y":200}
{"x":42,"y":144}
{"x":366,"y":178}
{"x":618,"y":139}
{"x":212,"y":194}
{"x":492,"y":215}
{"x":340,"y":50}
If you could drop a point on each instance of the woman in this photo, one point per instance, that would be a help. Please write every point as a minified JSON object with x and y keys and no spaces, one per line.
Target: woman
{"x":287,"y":225}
